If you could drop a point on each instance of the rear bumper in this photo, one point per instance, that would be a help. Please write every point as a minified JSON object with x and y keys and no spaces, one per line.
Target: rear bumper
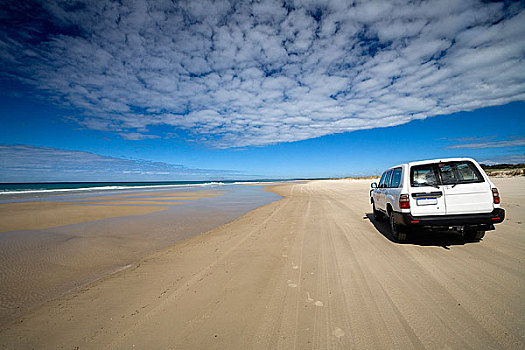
{"x":482,"y":219}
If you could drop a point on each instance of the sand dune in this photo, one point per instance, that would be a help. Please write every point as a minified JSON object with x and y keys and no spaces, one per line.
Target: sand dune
{"x":310,"y":271}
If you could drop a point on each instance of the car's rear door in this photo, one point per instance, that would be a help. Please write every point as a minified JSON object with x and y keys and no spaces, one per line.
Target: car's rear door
{"x":426,"y":195}
{"x":465,"y":189}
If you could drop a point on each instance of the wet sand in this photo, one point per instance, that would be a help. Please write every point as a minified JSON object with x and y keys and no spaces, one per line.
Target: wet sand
{"x":310,"y":271}
{"x":169,"y":195}
{"x":131,"y":202}
{"x":52,"y":245}
{"x":33,"y":215}
{"x":40,"y":215}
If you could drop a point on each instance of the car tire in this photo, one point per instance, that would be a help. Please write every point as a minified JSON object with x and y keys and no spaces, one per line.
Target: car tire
{"x":474,"y":235}
{"x":399,"y":235}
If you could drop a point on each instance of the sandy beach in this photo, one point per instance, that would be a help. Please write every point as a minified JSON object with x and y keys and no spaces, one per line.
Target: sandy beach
{"x":54,"y":244}
{"x":309,"y":271}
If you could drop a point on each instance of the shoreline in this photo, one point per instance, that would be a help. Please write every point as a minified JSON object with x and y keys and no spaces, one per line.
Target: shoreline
{"x":47,"y":188}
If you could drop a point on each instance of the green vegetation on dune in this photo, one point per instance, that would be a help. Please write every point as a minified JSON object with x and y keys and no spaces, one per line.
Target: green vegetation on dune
{"x":503,"y":166}
{"x":504,"y":170}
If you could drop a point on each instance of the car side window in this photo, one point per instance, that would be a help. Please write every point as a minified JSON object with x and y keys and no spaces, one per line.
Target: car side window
{"x":388,"y":178}
{"x":396,"y":178}
{"x":382,"y":181}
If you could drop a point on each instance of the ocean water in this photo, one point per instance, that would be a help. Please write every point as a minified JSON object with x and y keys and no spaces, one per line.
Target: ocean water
{"x":61,"y":187}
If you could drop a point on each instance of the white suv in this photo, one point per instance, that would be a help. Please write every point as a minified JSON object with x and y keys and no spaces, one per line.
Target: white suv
{"x":451,"y":194}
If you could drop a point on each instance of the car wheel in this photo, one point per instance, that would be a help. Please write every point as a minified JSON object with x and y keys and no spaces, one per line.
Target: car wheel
{"x":394,"y":230}
{"x":474,"y":235}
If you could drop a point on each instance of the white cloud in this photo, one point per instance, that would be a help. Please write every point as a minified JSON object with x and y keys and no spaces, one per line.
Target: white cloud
{"x":254,"y":73}
{"x":25,"y":163}
{"x":509,"y":159}
{"x":137,"y":136}
{"x":518,"y":142}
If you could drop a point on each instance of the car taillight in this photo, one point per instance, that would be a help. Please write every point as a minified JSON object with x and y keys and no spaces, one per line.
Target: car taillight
{"x":495,"y":195}
{"x":404,"y":201}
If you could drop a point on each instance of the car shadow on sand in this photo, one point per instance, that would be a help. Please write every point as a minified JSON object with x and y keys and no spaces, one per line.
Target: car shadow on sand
{"x":421,"y":237}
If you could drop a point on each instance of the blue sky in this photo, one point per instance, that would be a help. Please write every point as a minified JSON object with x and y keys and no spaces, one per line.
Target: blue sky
{"x":152,"y":90}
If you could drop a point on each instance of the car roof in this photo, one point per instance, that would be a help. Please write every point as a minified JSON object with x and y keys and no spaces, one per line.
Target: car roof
{"x":430,"y":161}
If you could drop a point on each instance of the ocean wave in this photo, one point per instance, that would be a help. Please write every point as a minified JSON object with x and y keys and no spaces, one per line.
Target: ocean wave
{"x":107,"y":188}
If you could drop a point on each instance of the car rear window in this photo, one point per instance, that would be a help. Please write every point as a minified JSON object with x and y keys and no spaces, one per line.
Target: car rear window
{"x":423,"y":175}
{"x":447,"y":173}
{"x":459,"y":172}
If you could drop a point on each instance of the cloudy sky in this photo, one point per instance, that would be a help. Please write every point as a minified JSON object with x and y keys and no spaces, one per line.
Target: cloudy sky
{"x":259,"y":88}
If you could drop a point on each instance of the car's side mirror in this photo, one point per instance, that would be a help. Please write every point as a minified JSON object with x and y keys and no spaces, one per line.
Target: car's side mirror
{"x":373,"y":185}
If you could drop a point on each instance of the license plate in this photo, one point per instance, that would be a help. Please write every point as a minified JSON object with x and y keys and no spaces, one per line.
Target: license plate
{"x":427,"y":201}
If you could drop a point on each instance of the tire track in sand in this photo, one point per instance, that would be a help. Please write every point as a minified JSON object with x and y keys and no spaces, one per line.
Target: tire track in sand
{"x":175,"y":294}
